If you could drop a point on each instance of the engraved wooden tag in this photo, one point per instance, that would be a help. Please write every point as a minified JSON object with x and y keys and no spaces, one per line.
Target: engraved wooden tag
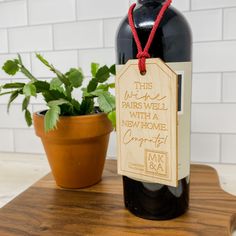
{"x":147,"y":122}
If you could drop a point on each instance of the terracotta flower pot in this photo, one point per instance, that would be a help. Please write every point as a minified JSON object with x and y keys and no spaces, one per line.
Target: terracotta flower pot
{"x":76,"y":150}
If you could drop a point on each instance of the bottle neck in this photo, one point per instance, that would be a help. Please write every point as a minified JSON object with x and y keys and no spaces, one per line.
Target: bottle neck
{"x":149,"y":1}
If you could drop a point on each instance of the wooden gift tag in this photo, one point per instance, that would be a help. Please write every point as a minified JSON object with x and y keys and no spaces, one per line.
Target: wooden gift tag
{"x":147,"y":122}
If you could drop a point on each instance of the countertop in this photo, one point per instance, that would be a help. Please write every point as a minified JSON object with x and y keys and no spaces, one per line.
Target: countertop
{"x":19,"y":171}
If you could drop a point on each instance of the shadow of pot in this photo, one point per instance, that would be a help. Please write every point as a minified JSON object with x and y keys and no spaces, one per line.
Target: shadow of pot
{"x":77,"y":149}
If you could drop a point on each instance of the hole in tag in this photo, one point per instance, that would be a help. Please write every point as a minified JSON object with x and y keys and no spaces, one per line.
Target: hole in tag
{"x":143,"y":73}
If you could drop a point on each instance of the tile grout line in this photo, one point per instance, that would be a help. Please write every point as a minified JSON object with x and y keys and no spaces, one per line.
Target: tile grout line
{"x":214,"y":72}
{"x":190,"y":5}
{"x":76,"y":10}
{"x":103,"y":34}
{"x":109,"y":18}
{"x":214,"y":103}
{"x":57,"y":50}
{"x":78,"y":60}
{"x":215,"y":41}
{"x":62,"y":22}
{"x":110,"y":47}
{"x":220,"y":148}
{"x":213,"y":133}
{"x":27,"y":12}
{"x":213,"y":8}
{"x":30,"y":56}
{"x":101,"y":20}
{"x":222,"y":88}
{"x":53,"y":38}
{"x":222,"y":24}
{"x":8,"y":41}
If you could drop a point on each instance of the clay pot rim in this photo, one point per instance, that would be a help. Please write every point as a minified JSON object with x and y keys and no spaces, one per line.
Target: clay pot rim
{"x":74,"y":127}
{"x":82,"y":117}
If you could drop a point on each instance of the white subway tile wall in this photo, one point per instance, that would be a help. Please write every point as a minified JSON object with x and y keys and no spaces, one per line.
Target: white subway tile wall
{"x":229,"y":85}
{"x":208,"y":4}
{"x":205,"y":148}
{"x":81,"y":34}
{"x":91,"y":9}
{"x":7,"y":140}
{"x":51,"y":11}
{"x":30,"y":38}
{"x":229,"y":26}
{"x":110,"y":28}
{"x":103,"y":56}
{"x":62,"y":59}
{"x":210,"y":86}
{"x":206,"y":25}
{"x":72,"y":33}
{"x":3,"y":57}
{"x":26,"y":141}
{"x":3,"y":41}
{"x":229,"y":148}
{"x":13,"y":13}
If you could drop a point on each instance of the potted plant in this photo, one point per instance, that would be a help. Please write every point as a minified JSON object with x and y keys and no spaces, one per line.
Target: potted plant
{"x":74,"y":133}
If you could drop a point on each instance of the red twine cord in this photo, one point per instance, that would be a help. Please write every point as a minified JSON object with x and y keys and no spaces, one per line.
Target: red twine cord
{"x":143,"y":54}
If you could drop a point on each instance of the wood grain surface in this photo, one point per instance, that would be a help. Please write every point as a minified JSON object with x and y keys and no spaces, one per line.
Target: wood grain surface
{"x":146,"y":117}
{"x":44,"y":209}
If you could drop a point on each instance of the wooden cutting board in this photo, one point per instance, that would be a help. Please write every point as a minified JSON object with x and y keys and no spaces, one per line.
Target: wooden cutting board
{"x":44,"y":209}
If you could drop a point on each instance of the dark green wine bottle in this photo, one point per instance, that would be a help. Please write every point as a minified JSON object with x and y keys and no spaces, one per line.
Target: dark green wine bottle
{"x":172,"y":43}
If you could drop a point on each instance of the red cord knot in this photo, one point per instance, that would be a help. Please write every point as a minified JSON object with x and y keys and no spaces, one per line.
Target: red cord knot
{"x":142,"y":61}
{"x":143,"y":54}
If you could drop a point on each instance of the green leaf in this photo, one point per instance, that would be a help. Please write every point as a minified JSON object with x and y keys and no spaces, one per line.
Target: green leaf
{"x":94,"y":68}
{"x":28,"y":117}
{"x":13,"y":85}
{"x":51,"y":118}
{"x":61,"y":89}
{"x":53,"y":95}
{"x":55,"y":83}
{"x":106,"y":86}
{"x":13,"y":96}
{"x":106,"y":102}
{"x":2,"y":94}
{"x":58,"y":102}
{"x":76,"y":106}
{"x":19,"y":59}
{"x":112,"y":118}
{"x":24,"y":70}
{"x":113,"y":69}
{"x":69,"y":90}
{"x":87,"y":106}
{"x":60,"y":75}
{"x":27,"y":73}
{"x":41,"y":86}
{"x":25,"y":103}
{"x":112,"y":85}
{"x":92,"y":85}
{"x":85,"y":92}
{"x":102,"y":74}
{"x":29,"y":90}
{"x":97,"y":92}
{"x":103,"y":87}
{"x":42,"y":59}
{"x":75,"y":77}
{"x":11,"y":67}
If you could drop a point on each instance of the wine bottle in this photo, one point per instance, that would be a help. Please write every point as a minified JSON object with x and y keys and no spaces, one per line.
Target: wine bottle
{"x":173,"y":44}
